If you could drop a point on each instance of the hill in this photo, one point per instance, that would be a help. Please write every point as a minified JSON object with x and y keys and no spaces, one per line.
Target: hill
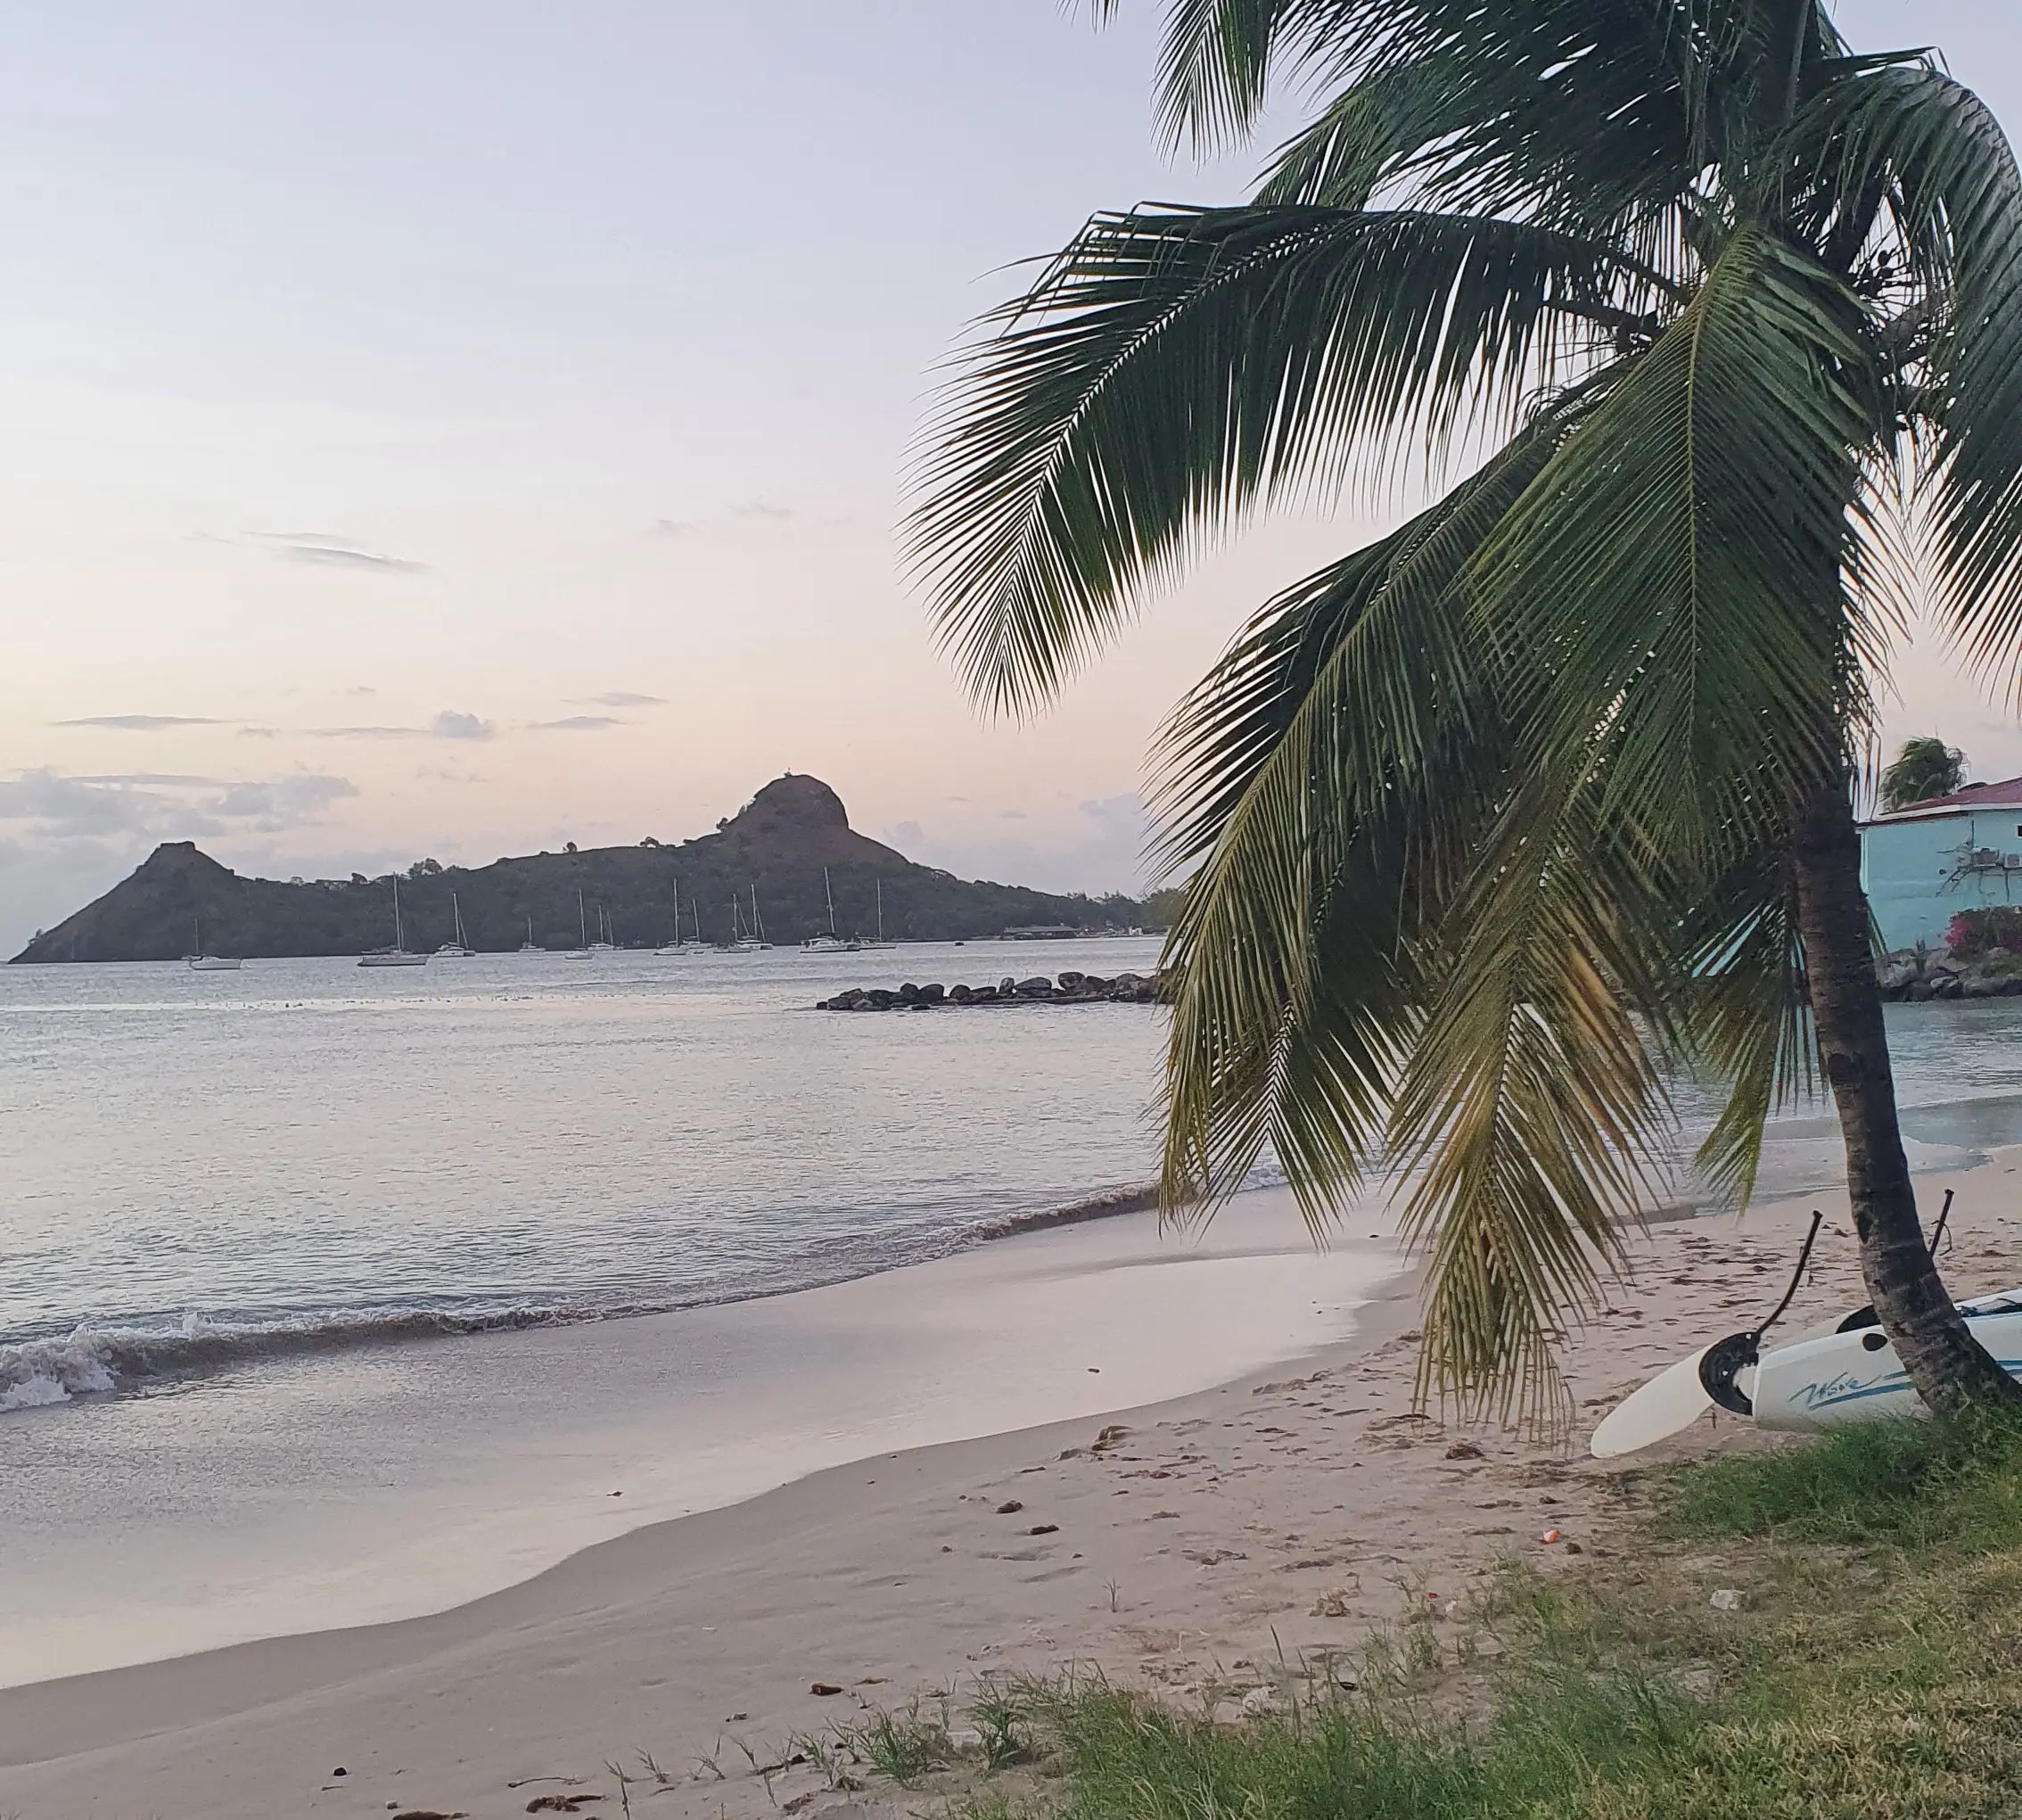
{"x":780,"y":842}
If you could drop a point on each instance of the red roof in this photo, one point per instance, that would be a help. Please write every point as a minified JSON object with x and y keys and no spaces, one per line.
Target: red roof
{"x":2005,"y":794}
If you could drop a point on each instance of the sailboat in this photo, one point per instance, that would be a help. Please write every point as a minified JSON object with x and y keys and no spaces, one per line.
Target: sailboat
{"x":397,"y":954}
{"x":757,"y":922}
{"x":739,"y":942}
{"x":680,"y":946}
{"x":581,"y":952}
{"x":200,"y":962}
{"x":832,"y":943}
{"x":529,"y":946}
{"x":603,"y":945}
{"x":878,"y":940}
{"x":459,"y":949}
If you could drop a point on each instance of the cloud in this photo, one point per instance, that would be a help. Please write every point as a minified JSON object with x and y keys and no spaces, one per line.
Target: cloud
{"x":907,"y":834}
{"x":139,"y":723}
{"x":674,"y":527}
{"x":451,"y":725}
{"x":62,"y":808}
{"x":360,"y":688}
{"x":625,"y":698}
{"x":333,"y":556}
{"x":1011,"y":814}
{"x":578,"y":723}
{"x":764,"y":508}
{"x":333,"y":551}
{"x":273,"y":805}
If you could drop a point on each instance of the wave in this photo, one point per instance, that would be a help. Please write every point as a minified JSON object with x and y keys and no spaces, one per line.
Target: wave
{"x":101,"y":1361}
{"x":113,"y":1359}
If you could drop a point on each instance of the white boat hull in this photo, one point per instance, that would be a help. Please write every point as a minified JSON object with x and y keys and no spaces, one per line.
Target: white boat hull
{"x":392,"y":960}
{"x":213,"y":963}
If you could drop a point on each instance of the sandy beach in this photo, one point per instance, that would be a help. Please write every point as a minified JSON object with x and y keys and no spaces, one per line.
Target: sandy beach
{"x":1193,"y":1545}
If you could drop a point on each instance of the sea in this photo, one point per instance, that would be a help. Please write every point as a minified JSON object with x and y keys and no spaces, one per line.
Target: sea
{"x":330,"y":1295}
{"x":205,"y":1170}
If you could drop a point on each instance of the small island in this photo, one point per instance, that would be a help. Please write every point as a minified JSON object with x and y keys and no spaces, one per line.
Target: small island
{"x":784,"y":859}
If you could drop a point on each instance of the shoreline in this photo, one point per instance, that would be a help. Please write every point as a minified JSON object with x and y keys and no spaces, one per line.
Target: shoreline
{"x":126,"y":1358}
{"x":378,"y":1484}
{"x":1272,"y":1514}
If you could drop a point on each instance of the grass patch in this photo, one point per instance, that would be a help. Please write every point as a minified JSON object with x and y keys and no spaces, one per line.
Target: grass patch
{"x":1919,"y":1483}
{"x":1871,"y":1674}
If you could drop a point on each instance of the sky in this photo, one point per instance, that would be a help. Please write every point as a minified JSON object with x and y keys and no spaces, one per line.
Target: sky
{"x":455,"y":427}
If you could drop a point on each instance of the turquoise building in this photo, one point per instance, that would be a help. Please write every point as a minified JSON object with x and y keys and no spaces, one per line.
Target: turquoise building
{"x":1922,"y":865}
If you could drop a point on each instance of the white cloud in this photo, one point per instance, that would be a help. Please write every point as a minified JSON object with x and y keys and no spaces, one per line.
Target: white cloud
{"x":451,"y":725}
{"x":139,"y":723}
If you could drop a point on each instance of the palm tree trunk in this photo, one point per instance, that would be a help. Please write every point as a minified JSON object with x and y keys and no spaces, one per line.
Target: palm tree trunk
{"x":1948,"y":1367}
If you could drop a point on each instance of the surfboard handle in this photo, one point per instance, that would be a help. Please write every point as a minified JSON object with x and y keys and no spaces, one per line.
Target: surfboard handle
{"x":1804,"y":1258}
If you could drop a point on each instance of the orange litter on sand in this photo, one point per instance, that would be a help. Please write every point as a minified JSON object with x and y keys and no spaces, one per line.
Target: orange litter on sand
{"x":1551,"y":1536}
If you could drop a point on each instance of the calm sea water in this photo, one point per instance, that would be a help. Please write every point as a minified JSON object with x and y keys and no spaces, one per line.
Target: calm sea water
{"x":200,"y":1168}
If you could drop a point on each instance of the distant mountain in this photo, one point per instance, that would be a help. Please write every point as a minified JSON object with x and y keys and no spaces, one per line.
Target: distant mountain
{"x":780,"y":842}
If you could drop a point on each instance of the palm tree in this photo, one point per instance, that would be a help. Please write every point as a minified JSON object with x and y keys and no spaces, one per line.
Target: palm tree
{"x":1923,"y":768}
{"x":1495,"y":822}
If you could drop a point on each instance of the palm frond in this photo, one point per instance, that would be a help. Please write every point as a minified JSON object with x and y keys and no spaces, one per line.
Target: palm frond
{"x":1176,"y":365}
{"x":1647,"y":587}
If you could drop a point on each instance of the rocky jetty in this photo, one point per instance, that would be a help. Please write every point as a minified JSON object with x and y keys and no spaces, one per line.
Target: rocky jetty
{"x":1069,"y":988}
{"x":1918,"y":974}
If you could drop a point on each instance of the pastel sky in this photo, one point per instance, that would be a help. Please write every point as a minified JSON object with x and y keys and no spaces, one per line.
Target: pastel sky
{"x":458,"y":426}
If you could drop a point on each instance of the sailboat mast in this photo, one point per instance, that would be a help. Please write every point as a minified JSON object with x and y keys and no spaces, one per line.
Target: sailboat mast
{"x":676,"y":912}
{"x":881,"y":909}
{"x":757,"y":922}
{"x":398,"y":943}
{"x":829,"y":891}
{"x":582,"y":926}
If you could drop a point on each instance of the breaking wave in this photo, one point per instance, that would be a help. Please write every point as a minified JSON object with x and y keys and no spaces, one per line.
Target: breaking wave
{"x":113,"y":1359}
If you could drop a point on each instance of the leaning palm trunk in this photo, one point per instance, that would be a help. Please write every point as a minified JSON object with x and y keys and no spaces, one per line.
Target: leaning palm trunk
{"x":1495,"y":824}
{"x":1947,"y":1364}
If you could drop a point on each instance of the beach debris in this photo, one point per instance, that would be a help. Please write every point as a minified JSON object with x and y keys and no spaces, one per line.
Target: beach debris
{"x":1110,"y":1436}
{"x":1728,"y":1599}
{"x":430,"y":1814}
{"x":339,"y":1770}
{"x":1043,"y":1529}
{"x":1261,"y":1701}
{"x":823,"y":1689}
{"x":1549,"y":1538}
{"x":1213,"y":1557}
{"x":1465,"y":1450}
{"x":559,"y":1804}
{"x":1336,"y":1603}
{"x":1010,"y":1507}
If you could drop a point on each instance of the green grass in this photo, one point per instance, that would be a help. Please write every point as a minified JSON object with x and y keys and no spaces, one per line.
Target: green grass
{"x":1875,"y":1672}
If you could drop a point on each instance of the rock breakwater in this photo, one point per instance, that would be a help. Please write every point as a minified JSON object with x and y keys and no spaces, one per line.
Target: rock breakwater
{"x":1069,"y":988}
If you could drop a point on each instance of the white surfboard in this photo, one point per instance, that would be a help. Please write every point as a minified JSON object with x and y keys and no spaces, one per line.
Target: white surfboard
{"x":1673,"y":1400}
{"x":1856,"y":1377}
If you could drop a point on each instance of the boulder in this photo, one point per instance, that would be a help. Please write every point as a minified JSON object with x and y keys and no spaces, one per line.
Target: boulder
{"x":908,"y":993}
{"x":1037,"y":987}
{"x":984,"y":995}
{"x":1007,"y":987}
{"x":881,"y":999}
{"x":960,"y":994}
{"x":1070,"y":979}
